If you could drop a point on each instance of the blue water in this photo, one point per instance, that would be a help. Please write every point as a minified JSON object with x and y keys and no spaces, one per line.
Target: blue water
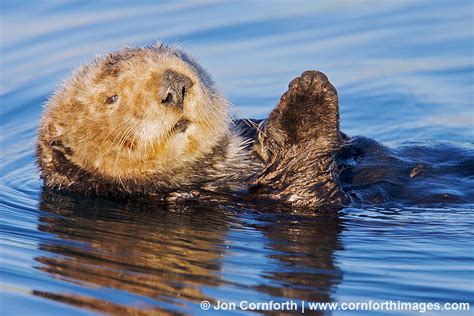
{"x":404,"y":73}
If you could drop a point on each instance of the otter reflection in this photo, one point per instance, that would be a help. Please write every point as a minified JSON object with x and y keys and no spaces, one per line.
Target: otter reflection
{"x":305,"y":249}
{"x":161,"y":260}
{"x":137,"y":247}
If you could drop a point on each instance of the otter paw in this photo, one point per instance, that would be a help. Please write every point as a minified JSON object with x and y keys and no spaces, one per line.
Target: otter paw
{"x":312,"y":85}
{"x":308,"y":110}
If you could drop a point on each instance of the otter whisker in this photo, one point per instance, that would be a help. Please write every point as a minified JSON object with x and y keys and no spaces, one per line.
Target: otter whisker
{"x":120,"y":131}
{"x":111,"y":130}
{"x":125,"y":138}
{"x":121,"y":143}
{"x":120,"y":136}
{"x":142,"y":146}
{"x":248,"y":122}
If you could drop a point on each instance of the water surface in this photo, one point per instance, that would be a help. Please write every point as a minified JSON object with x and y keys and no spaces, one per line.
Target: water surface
{"x":404,"y":73}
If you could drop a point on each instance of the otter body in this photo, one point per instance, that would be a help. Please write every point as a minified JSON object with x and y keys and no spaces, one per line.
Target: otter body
{"x":149,"y":122}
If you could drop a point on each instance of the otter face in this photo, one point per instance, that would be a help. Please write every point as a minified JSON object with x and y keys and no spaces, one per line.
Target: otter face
{"x":134,"y":113}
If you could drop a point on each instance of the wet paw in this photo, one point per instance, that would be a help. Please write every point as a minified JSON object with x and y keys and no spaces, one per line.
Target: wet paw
{"x":299,"y":143}
{"x":308,"y":110}
{"x":311,"y":88}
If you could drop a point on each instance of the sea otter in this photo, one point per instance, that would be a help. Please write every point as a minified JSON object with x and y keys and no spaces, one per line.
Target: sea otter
{"x":150,"y":123}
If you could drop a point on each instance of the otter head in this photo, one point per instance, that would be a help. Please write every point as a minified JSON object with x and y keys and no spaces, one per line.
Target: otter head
{"x":134,"y":114}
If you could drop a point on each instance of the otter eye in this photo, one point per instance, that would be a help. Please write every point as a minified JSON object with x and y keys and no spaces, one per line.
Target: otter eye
{"x":111,"y":99}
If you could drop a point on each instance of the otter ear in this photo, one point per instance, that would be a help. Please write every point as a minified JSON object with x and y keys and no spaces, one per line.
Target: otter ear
{"x":54,"y":139}
{"x":308,"y":111}
{"x":52,"y":155}
{"x":58,"y":147}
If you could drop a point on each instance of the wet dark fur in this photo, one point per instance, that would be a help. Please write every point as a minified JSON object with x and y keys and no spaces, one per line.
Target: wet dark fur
{"x":310,"y":163}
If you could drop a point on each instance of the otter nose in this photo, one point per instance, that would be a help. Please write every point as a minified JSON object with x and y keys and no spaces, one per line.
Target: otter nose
{"x":173,"y":89}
